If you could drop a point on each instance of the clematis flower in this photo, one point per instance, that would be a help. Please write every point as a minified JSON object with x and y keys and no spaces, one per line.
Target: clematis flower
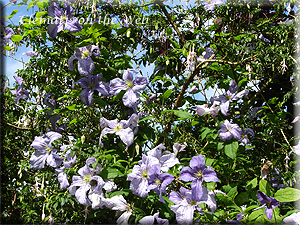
{"x":165,"y":159}
{"x":97,"y":199}
{"x":45,"y":151}
{"x":119,"y":203}
{"x":203,"y":109}
{"x":229,"y":131}
{"x":268,"y":202}
{"x":179,"y":148}
{"x":296,"y":149}
{"x":49,"y":101}
{"x":124,"y":128}
{"x":139,"y":176}
{"x":149,"y":220}
{"x":292,"y":219}
{"x":229,"y":96}
{"x":253,"y":113}
{"x":88,"y":182}
{"x":245,"y":137}
{"x":186,"y":204}
{"x":89,"y":84}
{"x":159,"y":181}
{"x":67,"y":163}
{"x":86,"y":65}
{"x":197,"y":172}
{"x":237,"y":221}
{"x":131,"y":86}
{"x":64,"y":19}
{"x":5,"y":34}
{"x":20,"y":92}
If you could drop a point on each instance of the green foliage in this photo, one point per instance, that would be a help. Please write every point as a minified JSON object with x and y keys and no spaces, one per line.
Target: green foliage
{"x":161,"y":53}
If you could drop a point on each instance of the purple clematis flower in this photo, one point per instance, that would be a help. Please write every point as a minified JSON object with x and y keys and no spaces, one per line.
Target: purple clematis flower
{"x":254,"y":113}
{"x":88,"y":182}
{"x":186,"y":204}
{"x":229,"y":96}
{"x":20,"y":92}
{"x":140,"y":174}
{"x":63,"y":19}
{"x":124,"y":128}
{"x":149,"y":220}
{"x":49,"y":101}
{"x":67,"y":163}
{"x":179,"y":148}
{"x":269,"y":203}
{"x":131,"y":86}
{"x":89,"y":84}
{"x":86,"y":65}
{"x":5,"y":34}
{"x":238,"y":218}
{"x":45,"y":151}
{"x":166,"y":159}
{"x":229,"y":131}
{"x":197,"y":172}
{"x":245,"y":139}
{"x":119,"y":203}
{"x":203,"y":109}
{"x":159,"y":181}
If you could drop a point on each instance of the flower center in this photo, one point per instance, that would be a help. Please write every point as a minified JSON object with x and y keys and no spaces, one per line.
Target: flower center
{"x":91,"y":86}
{"x":85,"y":53}
{"x":158,"y":181}
{"x":145,"y":174}
{"x":198,"y":174}
{"x":86,"y":178}
{"x":64,"y":19}
{"x":193,"y":202}
{"x":269,"y":204}
{"x":118,"y":127}
{"x":48,"y":149}
{"x":129,"y":83}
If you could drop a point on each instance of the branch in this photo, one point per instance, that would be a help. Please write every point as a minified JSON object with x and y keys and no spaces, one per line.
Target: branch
{"x":162,"y":6}
{"x":20,"y":128}
{"x":199,"y":67}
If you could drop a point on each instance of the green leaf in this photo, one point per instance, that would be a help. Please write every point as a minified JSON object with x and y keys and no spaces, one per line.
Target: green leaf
{"x":265,"y":187}
{"x":182,"y":114}
{"x":40,"y":14}
{"x":146,"y":118}
{"x":287,"y":195}
{"x":167,"y":94}
{"x":16,"y":38}
{"x":231,"y":149}
{"x":256,"y":214}
{"x":108,"y":173}
{"x":12,"y":14}
{"x":252,"y":184}
{"x":72,"y":107}
{"x":42,"y":4}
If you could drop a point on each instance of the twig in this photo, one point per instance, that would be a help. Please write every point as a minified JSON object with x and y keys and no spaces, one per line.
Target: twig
{"x":162,"y":6}
{"x":21,"y":128}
